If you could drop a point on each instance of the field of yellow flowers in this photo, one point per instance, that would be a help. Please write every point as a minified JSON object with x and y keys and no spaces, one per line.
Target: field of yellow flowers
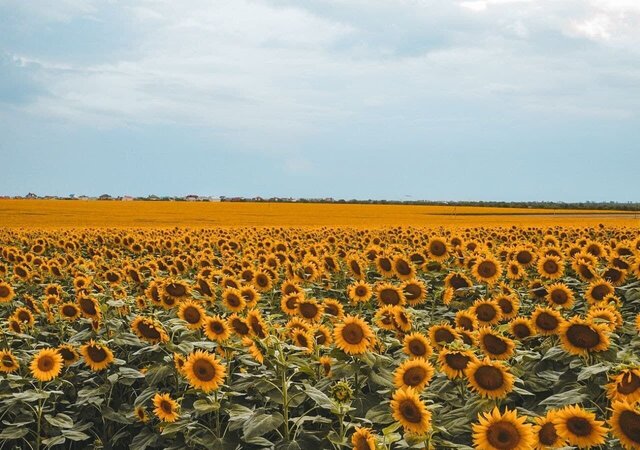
{"x":299,"y":337}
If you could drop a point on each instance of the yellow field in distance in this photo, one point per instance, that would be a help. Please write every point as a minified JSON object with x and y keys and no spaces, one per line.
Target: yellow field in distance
{"x":61,"y":213}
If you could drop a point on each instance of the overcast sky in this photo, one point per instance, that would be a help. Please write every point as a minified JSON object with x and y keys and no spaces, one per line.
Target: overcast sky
{"x":395,"y":99}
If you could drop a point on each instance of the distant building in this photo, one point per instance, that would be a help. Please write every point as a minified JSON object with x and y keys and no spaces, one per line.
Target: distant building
{"x":31,"y":195}
{"x":127,"y":198}
{"x":104,"y":197}
{"x":192,"y":198}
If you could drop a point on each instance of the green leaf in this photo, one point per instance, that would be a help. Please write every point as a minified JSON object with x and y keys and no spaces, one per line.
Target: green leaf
{"x":14,"y":432}
{"x":321,"y":399}
{"x":144,"y":439}
{"x":60,"y":420}
{"x":75,"y":435}
{"x":204,"y":406}
{"x":590,"y":371}
{"x":54,"y":440}
{"x":379,"y":414}
{"x":260,"y":424}
{"x":156,"y":374}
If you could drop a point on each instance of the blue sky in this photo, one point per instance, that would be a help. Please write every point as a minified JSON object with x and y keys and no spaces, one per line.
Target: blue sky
{"x":385,"y":99}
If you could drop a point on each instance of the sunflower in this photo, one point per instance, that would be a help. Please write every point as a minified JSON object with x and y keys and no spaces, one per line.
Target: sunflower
{"x":24,"y":316}
{"x":442,"y":334}
{"x":489,"y":378}
{"x":454,"y":362}
{"x":46,"y":364}
{"x":141,"y":414}
{"x":515,"y":271}
{"x":494,"y":345}
{"x":414,"y":373}
{"x":204,"y":371}
{"x":384,"y":317}
{"x":8,"y":362}
{"x":580,"y":336}
{"x":544,"y":432}
{"x":262,"y":281}
{"x":457,"y":280}
{"x":192,"y":313}
{"x":402,"y":319}
{"x":326,"y":362}
{"x":216,"y":329}
{"x":524,"y":257}
{"x":437,"y":249}
{"x":309,"y":309}
{"x":559,"y":294}
{"x":546,"y":321}
{"x":69,"y":354}
{"x":69,"y":311}
{"x":166,"y":409}
{"x":359,"y":292}
{"x":363,"y":439}
{"x":487,"y":270}
{"x":289,"y":303}
{"x":333,"y":308}
{"x":410,"y":411}
{"x":403,"y":268}
{"x":6,"y":292}
{"x":175,"y":289}
{"x":579,"y":427}
{"x":608,"y":315}
{"x":416,"y":345}
{"x":304,"y":339}
{"x":253,"y":349}
{"x":502,"y":431}
{"x":250,"y":295}
{"x":550,"y":267}
{"x":238,"y":325}
{"x":149,"y":329}
{"x":625,"y":385}
{"x":96,"y":356}
{"x":466,"y":320}
{"x":520,"y":328}
{"x":233,"y":300}
{"x":388,"y":294}
{"x":257,"y":323}
{"x":596,"y":292}
{"x":384,"y":264}
{"x":625,"y":424}
{"x":487,"y":312}
{"x":322,"y":335}
{"x":353,"y":335}
{"x":415,"y":291}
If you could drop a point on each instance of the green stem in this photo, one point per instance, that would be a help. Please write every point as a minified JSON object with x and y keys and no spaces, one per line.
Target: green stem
{"x":285,"y":401}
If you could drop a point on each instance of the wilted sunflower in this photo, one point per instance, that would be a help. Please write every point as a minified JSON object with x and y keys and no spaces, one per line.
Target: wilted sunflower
{"x":149,"y":329}
{"x":625,"y":424}
{"x":8,"y":362}
{"x":96,"y":356}
{"x":494,"y":345}
{"x":489,"y":378}
{"x":388,"y":294}
{"x":417,"y":345}
{"x":580,"y":336}
{"x":502,"y":431}
{"x":166,"y":409}
{"x":253,"y":349}
{"x":192,"y":313}
{"x":204,"y":371}
{"x":414,"y":373}
{"x":454,"y":362}
{"x":546,"y":321}
{"x":359,"y":292}
{"x":625,"y":385}
{"x":487,"y":270}
{"x":579,"y":427}
{"x":550,"y":267}
{"x":410,"y":411}
{"x":6,"y":292}
{"x":353,"y":335}
{"x":363,"y":439}
{"x":544,"y":432}
{"x":46,"y":364}
{"x":257,"y":323}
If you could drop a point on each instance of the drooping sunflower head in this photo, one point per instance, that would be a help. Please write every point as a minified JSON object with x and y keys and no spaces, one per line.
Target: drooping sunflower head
{"x":625,"y":385}
{"x":149,"y":330}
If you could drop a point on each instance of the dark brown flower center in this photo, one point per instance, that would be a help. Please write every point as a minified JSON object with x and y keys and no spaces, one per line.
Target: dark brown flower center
{"x":204,"y":370}
{"x":45,"y":363}
{"x":629,"y":384}
{"x":444,"y":335}
{"x":494,"y":344}
{"x":486,"y":312}
{"x":96,"y":353}
{"x":579,"y":426}
{"x":413,"y":376}
{"x":410,"y":411}
{"x":175,"y":289}
{"x":489,"y":378}
{"x":503,"y":435}
{"x":629,"y":423}
{"x":389,"y":296}
{"x":308,"y":310}
{"x":583,"y":336}
{"x":457,"y":361}
{"x":437,"y":248}
{"x":487,"y":269}
{"x":547,"y":434}
{"x":353,"y":333}
{"x":417,"y":347}
{"x":546,"y":321}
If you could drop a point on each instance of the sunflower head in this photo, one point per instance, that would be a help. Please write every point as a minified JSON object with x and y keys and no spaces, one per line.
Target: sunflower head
{"x":502,"y":431}
{"x":46,"y":364}
{"x":204,"y":371}
{"x":409,"y":410}
{"x":166,"y":409}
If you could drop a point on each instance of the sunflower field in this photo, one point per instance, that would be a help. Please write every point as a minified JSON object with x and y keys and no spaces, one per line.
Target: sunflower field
{"x":495,"y":338}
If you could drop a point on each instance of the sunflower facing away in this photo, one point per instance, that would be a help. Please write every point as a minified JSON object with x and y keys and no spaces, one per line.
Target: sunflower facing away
{"x":506,"y":431}
{"x":204,"y":371}
{"x":410,"y":411}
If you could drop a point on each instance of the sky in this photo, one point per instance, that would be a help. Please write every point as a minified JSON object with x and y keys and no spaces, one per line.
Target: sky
{"x":510,"y":100}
